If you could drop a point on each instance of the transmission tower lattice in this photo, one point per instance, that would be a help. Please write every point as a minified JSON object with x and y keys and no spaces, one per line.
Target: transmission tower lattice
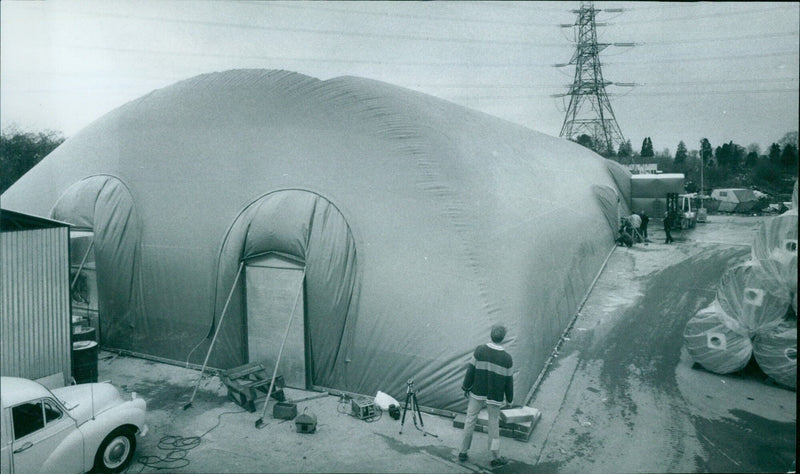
{"x":589,"y":110}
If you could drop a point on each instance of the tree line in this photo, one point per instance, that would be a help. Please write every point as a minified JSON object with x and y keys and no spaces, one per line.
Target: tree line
{"x":21,"y":151}
{"x":728,"y":165}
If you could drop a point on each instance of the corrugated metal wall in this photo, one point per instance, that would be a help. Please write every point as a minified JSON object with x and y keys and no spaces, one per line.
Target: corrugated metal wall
{"x":35,"y":322}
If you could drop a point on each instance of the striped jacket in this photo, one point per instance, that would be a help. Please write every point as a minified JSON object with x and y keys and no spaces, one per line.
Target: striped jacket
{"x":489,"y":375}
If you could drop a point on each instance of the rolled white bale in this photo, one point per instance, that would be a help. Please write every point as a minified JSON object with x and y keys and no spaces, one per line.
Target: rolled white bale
{"x":753,"y":296}
{"x":783,"y":272}
{"x":775,"y":351}
{"x":717,"y":341}
{"x":776,"y":240}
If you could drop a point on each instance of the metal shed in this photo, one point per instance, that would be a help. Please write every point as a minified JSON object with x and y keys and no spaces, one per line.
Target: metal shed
{"x":649,"y":192}
{"x":35,"y":314}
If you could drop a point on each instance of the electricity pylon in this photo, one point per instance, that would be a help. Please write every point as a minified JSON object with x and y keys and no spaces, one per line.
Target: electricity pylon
{"x":589,"y":110}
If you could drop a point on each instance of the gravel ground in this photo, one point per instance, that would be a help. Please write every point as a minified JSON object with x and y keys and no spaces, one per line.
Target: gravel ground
{"x":620,"y":396}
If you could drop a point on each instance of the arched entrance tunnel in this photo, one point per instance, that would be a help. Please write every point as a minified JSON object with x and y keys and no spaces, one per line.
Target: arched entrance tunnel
{"x":299,"y":264}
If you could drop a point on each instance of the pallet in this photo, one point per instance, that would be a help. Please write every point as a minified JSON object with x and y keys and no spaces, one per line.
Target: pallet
{"x":520,"y":430}
{"x":250,"y":382}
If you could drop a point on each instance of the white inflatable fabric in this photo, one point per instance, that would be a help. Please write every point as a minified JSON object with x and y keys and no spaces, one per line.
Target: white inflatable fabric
{"x":418,"y":223}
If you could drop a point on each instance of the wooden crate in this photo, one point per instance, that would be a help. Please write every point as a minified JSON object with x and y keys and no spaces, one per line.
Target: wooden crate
{"x":250,"y":382}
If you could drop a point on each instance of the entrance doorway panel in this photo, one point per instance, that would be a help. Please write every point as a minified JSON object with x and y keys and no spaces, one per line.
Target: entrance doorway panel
{"x":83,"y":285}
{"x":274,"y":286}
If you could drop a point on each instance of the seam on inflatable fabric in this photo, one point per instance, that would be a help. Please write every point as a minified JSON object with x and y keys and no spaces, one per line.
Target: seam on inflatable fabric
{"x":312,"y":218}
{"x":549,"y":361}
{"x":405,"y":139}
{"x":138,"y":250}
{"x":449,"y":202}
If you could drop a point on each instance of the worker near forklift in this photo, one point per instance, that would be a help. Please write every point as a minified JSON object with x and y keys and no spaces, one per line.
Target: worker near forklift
{"x":643,"y":227}
{"x":625,"y":233}
{"x":669,"y":221}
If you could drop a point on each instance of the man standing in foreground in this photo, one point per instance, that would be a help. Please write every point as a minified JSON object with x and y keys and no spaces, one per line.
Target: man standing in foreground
{"x":487,"y":381}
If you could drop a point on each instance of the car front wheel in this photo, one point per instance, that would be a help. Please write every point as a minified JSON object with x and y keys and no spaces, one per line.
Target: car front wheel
{"x":116,"y":451}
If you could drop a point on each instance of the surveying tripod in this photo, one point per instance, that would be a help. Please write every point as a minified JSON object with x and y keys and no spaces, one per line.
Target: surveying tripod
{"x":411,"y":397}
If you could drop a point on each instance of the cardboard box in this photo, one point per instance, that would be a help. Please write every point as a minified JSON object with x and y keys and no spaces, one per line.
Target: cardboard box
{"x":284,"y":410}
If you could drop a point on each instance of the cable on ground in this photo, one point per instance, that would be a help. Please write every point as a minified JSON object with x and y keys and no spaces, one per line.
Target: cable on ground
{"x":177,"y":448}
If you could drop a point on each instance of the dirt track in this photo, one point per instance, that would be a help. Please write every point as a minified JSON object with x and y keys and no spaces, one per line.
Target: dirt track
{"x":624,"y":395}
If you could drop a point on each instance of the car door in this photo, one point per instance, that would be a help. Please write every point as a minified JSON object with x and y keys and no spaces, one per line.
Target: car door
{"x":40,"y":427}
{"x":5,"y":441}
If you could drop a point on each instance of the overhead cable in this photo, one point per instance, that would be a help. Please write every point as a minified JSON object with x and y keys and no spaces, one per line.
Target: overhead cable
{"x":314,"y":6}
{"x":317,"y":31}
{"x":700,"y":17}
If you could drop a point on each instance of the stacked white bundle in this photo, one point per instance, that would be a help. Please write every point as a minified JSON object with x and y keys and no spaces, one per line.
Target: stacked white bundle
{"x":775,"y":351}
{"x":717,"y":341}
{"x":753,"y":296}
{"x":755,"y":311}
{"x":775,"y":246}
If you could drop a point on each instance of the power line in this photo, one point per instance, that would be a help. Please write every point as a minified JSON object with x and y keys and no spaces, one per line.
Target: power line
{"x":696,"y":92}
{"x":700,"y":17}
{"x":632,"y":93}
{"x":316,"y":31}
{"x":400,"y":36}
{"x":728,"y":38}
{"x":708,"y":58}
{"x":646,"y":84}
{"x":156,"y":79}
{"x":724,"y":81}
{"x":304,"y":6}
{"x":490,"y":86}
{"x":519,"y":7}
{"x":459,"y":64}
{"x":662,"y":6}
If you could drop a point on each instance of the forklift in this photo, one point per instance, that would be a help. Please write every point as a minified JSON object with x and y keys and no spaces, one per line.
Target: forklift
{"x":679,"y":206}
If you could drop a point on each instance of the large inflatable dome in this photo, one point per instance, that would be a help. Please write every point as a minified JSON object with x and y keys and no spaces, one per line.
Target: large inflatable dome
{"x":380,"y":230}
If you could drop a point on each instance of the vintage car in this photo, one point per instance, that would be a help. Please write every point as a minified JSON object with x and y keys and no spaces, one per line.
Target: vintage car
{"x":71,"y":429}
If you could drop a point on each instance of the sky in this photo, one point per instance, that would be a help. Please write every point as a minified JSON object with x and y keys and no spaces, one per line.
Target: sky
{"x":724,"y":71}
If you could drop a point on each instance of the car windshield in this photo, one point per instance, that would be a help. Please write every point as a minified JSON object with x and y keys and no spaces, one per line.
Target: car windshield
{"x":62,"y":402}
